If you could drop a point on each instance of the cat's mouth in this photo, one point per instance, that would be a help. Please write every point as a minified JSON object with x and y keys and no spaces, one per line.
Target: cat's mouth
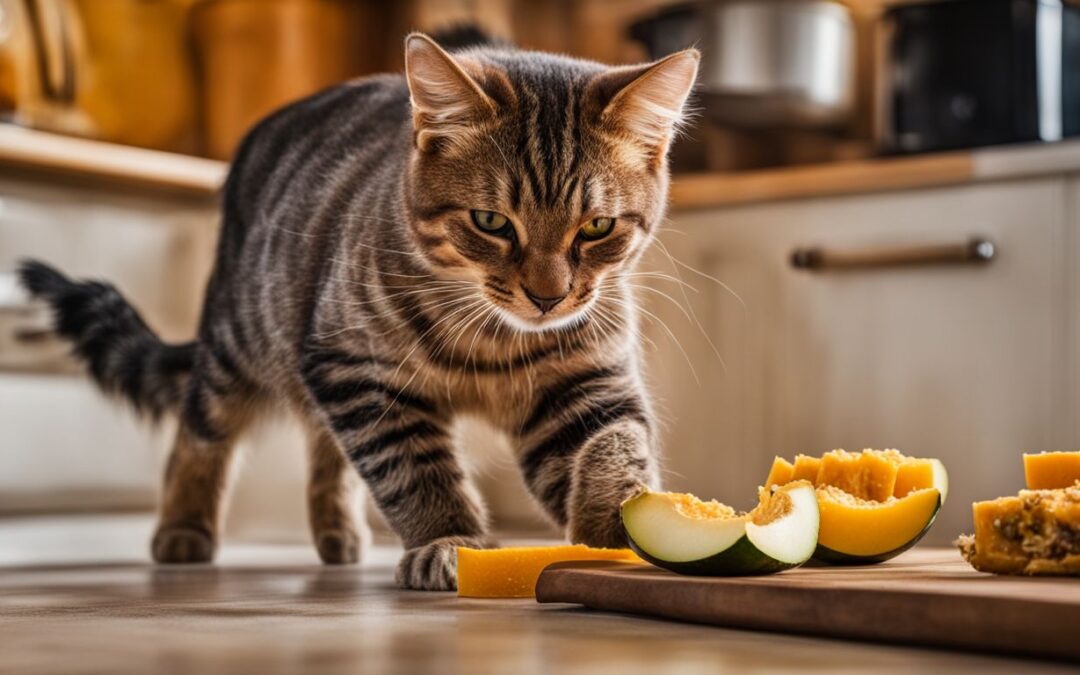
{"x":522,"y":316}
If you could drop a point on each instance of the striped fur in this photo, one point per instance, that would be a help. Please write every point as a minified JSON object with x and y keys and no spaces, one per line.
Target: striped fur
{"x":352,"y":284}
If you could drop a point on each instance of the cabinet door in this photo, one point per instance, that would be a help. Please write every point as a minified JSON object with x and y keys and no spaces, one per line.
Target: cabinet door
{"x":969,"y":363}
{"x":65,"y":445}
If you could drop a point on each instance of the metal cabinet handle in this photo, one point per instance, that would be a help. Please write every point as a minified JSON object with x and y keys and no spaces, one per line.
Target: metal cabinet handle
{"x":975,"y":251}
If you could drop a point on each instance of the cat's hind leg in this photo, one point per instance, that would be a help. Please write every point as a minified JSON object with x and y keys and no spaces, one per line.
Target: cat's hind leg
{"x":216,"y":410}
{"x":333,"y":488}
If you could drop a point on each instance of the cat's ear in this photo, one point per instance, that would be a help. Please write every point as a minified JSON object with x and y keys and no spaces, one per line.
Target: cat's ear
{"x":446,"y":100}
{"x":647,"y":101}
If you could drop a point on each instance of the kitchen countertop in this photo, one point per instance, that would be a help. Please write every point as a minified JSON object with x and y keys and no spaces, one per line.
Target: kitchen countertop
{"x":79,"y":596}
{"x":875,"y":175}
{"x":52,"y":156}
{"x":91,"y":161}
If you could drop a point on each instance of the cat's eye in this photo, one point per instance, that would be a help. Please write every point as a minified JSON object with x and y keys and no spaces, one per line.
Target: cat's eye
{"x":597,"y":228}
{"x":490,"y":222}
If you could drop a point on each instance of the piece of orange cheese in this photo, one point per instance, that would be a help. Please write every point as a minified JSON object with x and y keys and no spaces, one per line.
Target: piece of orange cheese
{"x":513,"y":572}
{"x":1051,"y":470}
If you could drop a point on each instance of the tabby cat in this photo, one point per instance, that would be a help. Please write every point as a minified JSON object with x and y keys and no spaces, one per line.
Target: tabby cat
{"x":397,"y":251}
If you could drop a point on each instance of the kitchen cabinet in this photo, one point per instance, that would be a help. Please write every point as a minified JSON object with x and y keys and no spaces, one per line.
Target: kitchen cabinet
{"x":1072,"y":246}
{"x":65,"y":446}
{"x":970,"y":363}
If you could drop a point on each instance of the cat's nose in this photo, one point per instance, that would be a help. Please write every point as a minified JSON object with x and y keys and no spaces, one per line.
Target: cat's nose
{"x":545,"y":305}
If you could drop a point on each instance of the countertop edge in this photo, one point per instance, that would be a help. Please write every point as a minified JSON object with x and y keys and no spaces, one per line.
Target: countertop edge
{"x":93,"y":161}
{"x":96,"y":161}
{"x":704,"y":191}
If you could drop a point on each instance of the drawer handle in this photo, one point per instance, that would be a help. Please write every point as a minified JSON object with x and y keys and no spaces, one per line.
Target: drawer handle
{"x":976,"y":251}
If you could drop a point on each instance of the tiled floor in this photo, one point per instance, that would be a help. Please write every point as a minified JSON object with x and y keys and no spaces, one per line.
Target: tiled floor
{"x":78,"y":595}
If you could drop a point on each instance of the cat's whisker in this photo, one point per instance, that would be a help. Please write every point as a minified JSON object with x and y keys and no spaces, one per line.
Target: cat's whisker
{"x":456,"y":331}
{"x":468,"y":356}
{"x":445,"y":283}
{"x":678,"y":263}
{"x":297,"y":233}
{"x":660,"y":276}
{"x":353,"y":265}
{"x":664,"y":295}
{"x":352,"y":217}
{"x":415,"y":254}
{"x":660,"y":322}
{"x":405,"y":359}
{"x":502,"y":155}
{"x":695,"y":320}
{"x":399,"y":294}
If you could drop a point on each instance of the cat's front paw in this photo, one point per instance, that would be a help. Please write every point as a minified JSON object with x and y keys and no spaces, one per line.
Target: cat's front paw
{"x":433,"y":566}
{"x":598,"y":524}
{"x":600,"y":532}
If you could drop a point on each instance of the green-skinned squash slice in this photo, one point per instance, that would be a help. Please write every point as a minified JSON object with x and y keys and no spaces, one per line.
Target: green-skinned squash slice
{"x":681,"y":533}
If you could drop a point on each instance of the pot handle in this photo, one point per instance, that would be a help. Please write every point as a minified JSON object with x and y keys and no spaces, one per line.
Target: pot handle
{"x":975,"y":251}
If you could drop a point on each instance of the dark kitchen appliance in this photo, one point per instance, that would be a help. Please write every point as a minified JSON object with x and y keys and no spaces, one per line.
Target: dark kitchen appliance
{"x":966,"y":73}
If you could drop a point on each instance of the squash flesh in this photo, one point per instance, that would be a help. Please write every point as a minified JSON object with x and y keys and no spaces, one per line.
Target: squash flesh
{"x":866,"y":475}
{"x":1051,"y":470}
{"x":512,"y":572}
{"x":694,"y":529}
{"x":914,"y":474}
{"x":866,"y":528}
{"x":806,"y":468}
{"x":782,"y":472}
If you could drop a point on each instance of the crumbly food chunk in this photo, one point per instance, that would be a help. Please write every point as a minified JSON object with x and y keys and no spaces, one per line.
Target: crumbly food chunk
{"x":1036,"y":532}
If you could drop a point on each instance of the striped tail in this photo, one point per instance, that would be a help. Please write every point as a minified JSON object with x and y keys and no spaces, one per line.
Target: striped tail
{"x":124,"y":356}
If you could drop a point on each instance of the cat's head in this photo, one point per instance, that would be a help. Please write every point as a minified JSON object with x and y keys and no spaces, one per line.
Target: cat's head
{"x":538,"y":177}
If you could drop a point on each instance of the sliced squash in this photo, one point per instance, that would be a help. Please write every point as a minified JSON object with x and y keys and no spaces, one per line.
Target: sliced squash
{"x":681,"y":533}
{"x":863,"y":501}
{"x":1051,"y":470}
{"x":782,"y":472}
{"x":859,"y":531}
{"x":866,"y":475}
{"x":915,"y":474}
{"x":512,"y":572}
{"x":806,"y":468}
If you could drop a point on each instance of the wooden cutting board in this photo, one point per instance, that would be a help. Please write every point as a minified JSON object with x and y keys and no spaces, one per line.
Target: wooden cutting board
{"x":925,"y":597}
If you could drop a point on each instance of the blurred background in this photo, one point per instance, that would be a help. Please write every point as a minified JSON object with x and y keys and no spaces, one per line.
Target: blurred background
{"x":872,"y":237}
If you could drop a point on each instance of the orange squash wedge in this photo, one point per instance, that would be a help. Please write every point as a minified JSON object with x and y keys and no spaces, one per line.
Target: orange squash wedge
{"x":512,"y":572}
{"x":874,"y":504}
{"x":860,"y":531}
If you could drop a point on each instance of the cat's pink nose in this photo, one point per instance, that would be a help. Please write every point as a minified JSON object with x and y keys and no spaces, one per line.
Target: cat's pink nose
{"x":545,"y":305}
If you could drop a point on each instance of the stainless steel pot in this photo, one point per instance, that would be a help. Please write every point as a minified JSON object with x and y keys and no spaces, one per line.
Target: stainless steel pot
{"x":766,"y":63}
